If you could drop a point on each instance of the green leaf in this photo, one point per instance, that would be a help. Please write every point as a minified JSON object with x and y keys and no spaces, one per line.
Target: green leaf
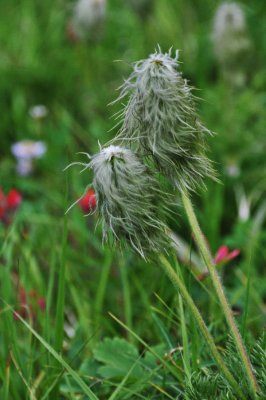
{"x":89,"y":367}
{"x":150,"y":361}
{"x":118,"y":356}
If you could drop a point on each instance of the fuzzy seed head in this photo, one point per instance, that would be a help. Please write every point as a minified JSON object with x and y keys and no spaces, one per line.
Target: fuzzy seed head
{"x":129,"y":201}
{"x":161,"y":121}
{"x":229,"y":16}
{"x":230,"y":39}
{"x":88,"y":17}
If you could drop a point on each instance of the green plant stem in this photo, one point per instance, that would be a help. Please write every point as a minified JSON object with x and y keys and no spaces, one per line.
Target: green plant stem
{"x":181,"y":288}
{"x":200,"y":240}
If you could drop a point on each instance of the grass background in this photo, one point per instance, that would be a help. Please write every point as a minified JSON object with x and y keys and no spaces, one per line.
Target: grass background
{"x":62,"y":258}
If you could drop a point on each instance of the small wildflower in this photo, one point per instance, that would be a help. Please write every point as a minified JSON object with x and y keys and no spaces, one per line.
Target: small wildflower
{"x":9,"y":204}
{"x":25,"y":152}
{"x":14,"y":199}
{"x":41,"y":303}
{"x":243,"y":204}
{"x":160,"y":120}
{"x":88,"y":18}
{"x":224,"y":255}
{"x":129,"y":201}
{"x":88,"y":201}
{"x":38,"y":112}
{"x":231,"y":42}
{"x":232,"y":169}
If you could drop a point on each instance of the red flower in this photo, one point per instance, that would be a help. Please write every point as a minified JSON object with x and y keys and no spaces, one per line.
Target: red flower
{"x":9,"y":204}
{"x":13,"y":199}
{"x":88,"y":201}
{"x":224,"y":255}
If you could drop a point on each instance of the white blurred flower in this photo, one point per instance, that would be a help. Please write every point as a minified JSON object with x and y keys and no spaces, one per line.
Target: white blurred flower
{"x":233,"y":169}
{"x":28,"y":149}
{"x":229,"y":16}
{"x":243,"y":204}
{"x":38,"y":112}
{"x":88,"y":17}
{"x":25,"y":151}
{"x":24,"y":166}
{"x":231,"y":41}
{"x":244,"y":209}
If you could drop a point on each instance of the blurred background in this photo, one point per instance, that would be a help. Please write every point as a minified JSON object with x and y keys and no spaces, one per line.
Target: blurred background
{"x":60,"y":65}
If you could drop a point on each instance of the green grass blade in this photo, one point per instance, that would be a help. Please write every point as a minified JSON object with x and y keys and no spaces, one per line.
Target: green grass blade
{"x":186,"y":352}
{"x":85,"y":388}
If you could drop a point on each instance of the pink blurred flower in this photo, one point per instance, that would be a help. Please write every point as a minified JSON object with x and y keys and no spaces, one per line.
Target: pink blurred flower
{"x":223,"y":254}
{"x":42,"y":303}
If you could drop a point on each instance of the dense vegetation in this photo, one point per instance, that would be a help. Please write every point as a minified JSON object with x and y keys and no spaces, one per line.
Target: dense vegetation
{"x":80,"y":320}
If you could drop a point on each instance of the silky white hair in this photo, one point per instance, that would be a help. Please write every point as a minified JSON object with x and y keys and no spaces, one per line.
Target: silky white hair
{"x":161,"y":121}
{"x":129,"y":201}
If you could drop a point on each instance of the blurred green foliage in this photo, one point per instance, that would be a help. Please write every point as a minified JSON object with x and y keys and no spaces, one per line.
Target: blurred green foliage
{"x":76,"y":82}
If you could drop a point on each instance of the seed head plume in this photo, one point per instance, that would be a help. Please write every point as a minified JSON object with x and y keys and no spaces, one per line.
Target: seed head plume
{"x":231,"y":42}
{"x":88,"y":18}
{"x":161,"y":121}
{"x":129,"y":200}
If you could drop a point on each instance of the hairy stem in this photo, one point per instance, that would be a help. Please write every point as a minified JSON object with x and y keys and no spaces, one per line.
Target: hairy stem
{"x":203,"y":248}
{"x":181,"y":288}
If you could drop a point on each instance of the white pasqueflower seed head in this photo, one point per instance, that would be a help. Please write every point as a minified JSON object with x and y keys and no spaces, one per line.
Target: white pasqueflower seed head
{"x":229,"y":16}
{"x":129,"y":201}
{"x":231,"y":42}
{"x":160,"y":119}
{"x":88,"y":17}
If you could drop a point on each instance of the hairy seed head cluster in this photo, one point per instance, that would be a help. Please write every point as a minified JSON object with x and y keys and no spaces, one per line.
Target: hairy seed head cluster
{"x":161,"y":121}
{"x":129,"y":200}
{"x":159,"y":124}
